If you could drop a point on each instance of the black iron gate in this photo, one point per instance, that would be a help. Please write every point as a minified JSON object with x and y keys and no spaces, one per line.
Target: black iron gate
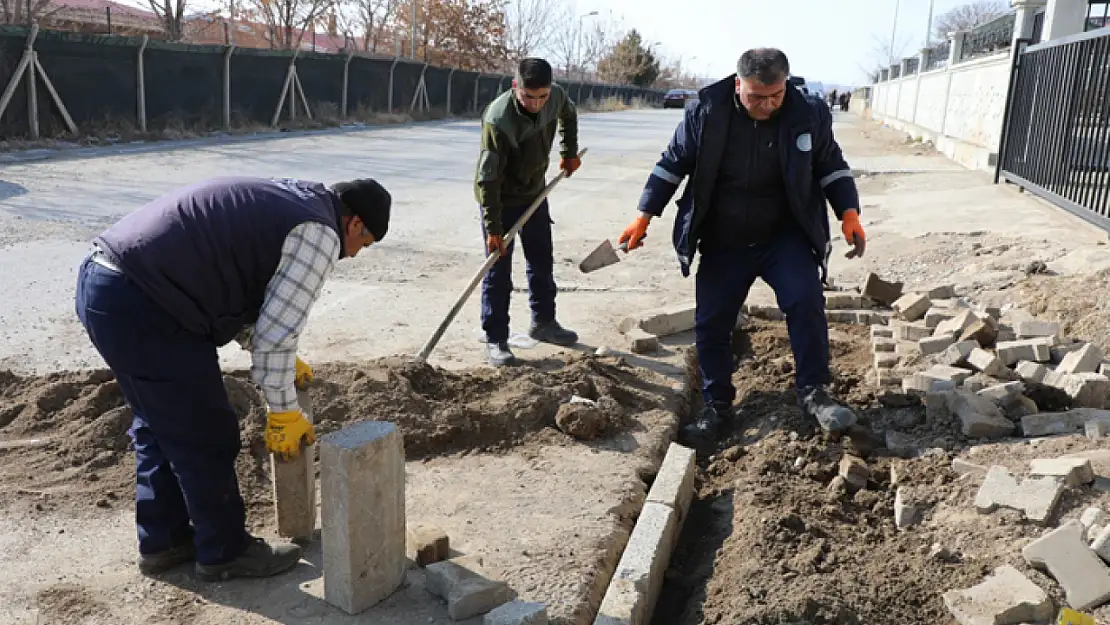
{"x":1055,"y":132}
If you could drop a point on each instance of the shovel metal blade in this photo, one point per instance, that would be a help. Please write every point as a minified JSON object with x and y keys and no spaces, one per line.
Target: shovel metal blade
{"x":603,"y":256}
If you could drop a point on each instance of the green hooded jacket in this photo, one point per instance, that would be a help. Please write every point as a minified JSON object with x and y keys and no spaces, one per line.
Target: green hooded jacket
{"x":516,"y":149}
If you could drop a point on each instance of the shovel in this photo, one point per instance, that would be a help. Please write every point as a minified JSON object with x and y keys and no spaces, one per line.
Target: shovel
{"x":602,"y":256}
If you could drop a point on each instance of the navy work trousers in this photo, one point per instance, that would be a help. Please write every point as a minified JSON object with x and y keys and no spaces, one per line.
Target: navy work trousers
{"x":185,"y":433}
{"x":726,"y":274}
{"x":497,"y":286}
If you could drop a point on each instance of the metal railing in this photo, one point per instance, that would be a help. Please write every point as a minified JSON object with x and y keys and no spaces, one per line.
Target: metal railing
{"x":989,"y":38}
{"x":1057,"y":124}
{"x":936,"y":57}
{"x":895,"y":72}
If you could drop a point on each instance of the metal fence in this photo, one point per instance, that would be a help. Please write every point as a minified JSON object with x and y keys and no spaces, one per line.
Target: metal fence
{"x":989,"y":38}
{"x":83,"y":82}
{"x":936,"y":56}
{"x":912,"y":65}
{"x":1057,"y":124}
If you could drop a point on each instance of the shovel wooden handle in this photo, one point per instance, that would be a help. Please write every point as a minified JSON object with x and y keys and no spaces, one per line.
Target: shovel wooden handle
{"x":491,"y":259}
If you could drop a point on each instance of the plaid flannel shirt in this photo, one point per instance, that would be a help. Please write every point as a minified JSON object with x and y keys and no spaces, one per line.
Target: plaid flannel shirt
{"x":308,"y":256}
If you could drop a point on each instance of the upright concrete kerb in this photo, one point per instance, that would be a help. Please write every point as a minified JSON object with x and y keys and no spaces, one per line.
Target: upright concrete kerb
{"x":362,"y":483}
{"x":635,"y":587}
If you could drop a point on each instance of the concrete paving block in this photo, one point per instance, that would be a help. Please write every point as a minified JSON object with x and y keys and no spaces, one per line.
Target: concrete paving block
{"x":1086,"y":359}
{"x":936,"y":315}
{"x":911,"y":306}
{"x":881,"y":345}
{"x":1094,"y":517}
{"x":517,"y":613}
{"x":1066,"y":556}
{"x":964,"y":467}
{"x":662,"y":321}
{"x":843,"y":301}
{"x":985,"y":361}
{"x":881,"y":291}
{"x":1033,"y":328}
{"x":979,"y":416}
{"x":935,"y":344}
{"x":1087,"y":390}
{"x":635,"y":586}
{"x":944,"y":372}
{"x":1005,"y":598}
{"x":886,"y":361}
{"x":1104,"y":368}
{"x":1100,"y":544}
{"x":1059,"y":352}
{"x":294,"y":486}
{"x":1031,"y":371}
{"x":982,"y":331}
{"x":1055,"y":379}
{"x":362,"y":487}
{"x":770,"y":313}
{"x":674,"y":483}
{"x":843,"y":316}
{"x":1074,"y":471}
{"x":1069,"y":422}
{"x":640,"y":342}
{"x":886,"y":378}
{"x":427,"y":544}
{"x":956,"y":355}
{"x":1003,"y":394}
{"x":909,"y":331}
{"x":1035,"y":350}
{"x":924,"y":383}
{"x":469,"y":589}
{"x":941,"y":291}
{"x":854,"y":471}
{"x":955,"y":326}
{"x":907,"y":512}
{"x":1036,"y":497}
{"x":881,"y":331}
{"x":907,"y":348}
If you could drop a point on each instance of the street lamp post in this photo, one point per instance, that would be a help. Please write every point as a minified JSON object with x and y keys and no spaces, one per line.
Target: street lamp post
{"x":578,"y":45}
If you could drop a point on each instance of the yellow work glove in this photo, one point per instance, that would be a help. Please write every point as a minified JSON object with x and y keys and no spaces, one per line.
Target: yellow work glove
{"x":285,"y":431}
{"x":303,"y":375}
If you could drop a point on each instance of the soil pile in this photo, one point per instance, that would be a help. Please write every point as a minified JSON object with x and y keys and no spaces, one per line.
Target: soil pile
{"x":775,"y":537}
{"x":81,"y":421}
{"x":1078,"y":302}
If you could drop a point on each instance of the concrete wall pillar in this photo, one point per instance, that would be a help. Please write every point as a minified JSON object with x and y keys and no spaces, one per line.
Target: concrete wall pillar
{"x":1026,"y":10}
{"x":362,"y":487}
{"x":957,"y":48}
{"x":1063,"y":18}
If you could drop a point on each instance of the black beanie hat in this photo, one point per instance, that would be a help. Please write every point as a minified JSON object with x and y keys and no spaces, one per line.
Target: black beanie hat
{"x":369,"y":201}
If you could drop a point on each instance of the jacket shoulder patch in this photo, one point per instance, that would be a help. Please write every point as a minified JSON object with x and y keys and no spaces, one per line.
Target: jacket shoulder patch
{"x":805,"y":142}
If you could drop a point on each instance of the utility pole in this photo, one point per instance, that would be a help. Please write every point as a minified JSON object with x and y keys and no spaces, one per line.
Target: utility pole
{"x":893,"y":32}
{"x":413,"y":49}
{"x":929,"y":26}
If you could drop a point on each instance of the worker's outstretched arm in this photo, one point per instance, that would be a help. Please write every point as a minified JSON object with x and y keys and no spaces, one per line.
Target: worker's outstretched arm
{"x":837,"y":182}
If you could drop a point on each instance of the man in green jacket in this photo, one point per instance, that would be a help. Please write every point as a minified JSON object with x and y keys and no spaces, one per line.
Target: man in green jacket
{"x":518,"y":129}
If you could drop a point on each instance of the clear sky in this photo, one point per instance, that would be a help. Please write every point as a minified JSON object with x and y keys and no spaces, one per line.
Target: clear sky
{"x":831,"y":41}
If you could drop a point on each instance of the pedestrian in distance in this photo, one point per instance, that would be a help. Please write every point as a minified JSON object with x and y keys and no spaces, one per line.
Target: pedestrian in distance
{"x":518,"y":130}
{"x":764,"y":167}
{"x":225,"y":259}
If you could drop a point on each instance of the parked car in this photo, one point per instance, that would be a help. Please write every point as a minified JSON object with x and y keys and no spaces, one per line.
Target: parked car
{"x":677,"y":98}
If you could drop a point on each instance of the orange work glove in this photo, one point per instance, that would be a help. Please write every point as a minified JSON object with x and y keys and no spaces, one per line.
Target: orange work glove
{"x":853,"y":233}
{"x":495,"y":242}
{"x":570,"y":165}
{"x":635,"y":232}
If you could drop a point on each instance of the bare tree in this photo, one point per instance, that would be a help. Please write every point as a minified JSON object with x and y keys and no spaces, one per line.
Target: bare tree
{"x":287,"y":20}
{"x":578,"y":45}
{"x":885,"y":53}
{"x":172,"y":15}
{"x":24,"y":12}
{"x":968,"y":16}
{"x":531,"y":24}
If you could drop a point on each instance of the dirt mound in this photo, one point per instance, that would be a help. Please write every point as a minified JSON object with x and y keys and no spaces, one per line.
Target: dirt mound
{"x":769,"y":542}
{"x":80,"y":420}
{"x":1078,"y":302}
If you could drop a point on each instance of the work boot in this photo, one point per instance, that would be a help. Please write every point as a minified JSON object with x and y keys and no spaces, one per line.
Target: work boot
{"x":499,"y":354}
{"x":830,"y":414}
{"x":155,"y":563}
{"x":705,"y":429}
{"x":260,"y":559}
{"x":552,"y":332}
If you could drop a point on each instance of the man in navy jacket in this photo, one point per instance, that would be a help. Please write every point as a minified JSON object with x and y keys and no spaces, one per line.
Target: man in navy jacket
{"x":763,"y":167}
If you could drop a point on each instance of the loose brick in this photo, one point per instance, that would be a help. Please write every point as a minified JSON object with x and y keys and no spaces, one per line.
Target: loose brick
{"x":905,"y":331}
{"x":468,"y":589}
{"x":1087,"y":390}
{"x":1065,"y":555}
{"x":978,"y":382}
{"x":935,"y":344}
{"x":1031,"y":371}
{"x":1093,"y":517}
{"x":1104,"y":368}
{"x":1006,"y":597}
{"x":634,"y":589}
{"x":985,"y":361}
{"x":1033,"y":328}
{"x":854,"y":471}
{"x":842,"y":301}
{"x":663,"y":321}
{"x":1036,"y":497}
{"x":1059,"y":352}
{"x":886,"y":378}
{"x":1055,"y":379}
{"x":924,"y":383}
{"x":640,"y":342}
{"x":881,"y":291}
{"x":907,"y":513}
{"x":1070,"y":422}
{"x":1074,"y":471}
{"x":1003,"y":394}
{"x":936,"y":316}
{"x":964,"y":467}
{"x":1100,"y":544}
{"x":881,"y":345}
{"x":845,"y":316}
{"x":994,"y":312}
{"x":886,"y":361}
{"x":427,"y":544}
{"x":942,"y":291}
{"x":770,"y":313}
{"x":881,"y":331}
{"x":956,"y":354}
{"x":982,"y":331}
{"x":907,"y":348}
{"x":1036,"y":350}
{"x":1086,"y":359}
{"x":1095,"y":430}
{"x":955,"y":326}
{"x":979,"y":417}
{"x":944,"y":372}
{"x":517,"y":613}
